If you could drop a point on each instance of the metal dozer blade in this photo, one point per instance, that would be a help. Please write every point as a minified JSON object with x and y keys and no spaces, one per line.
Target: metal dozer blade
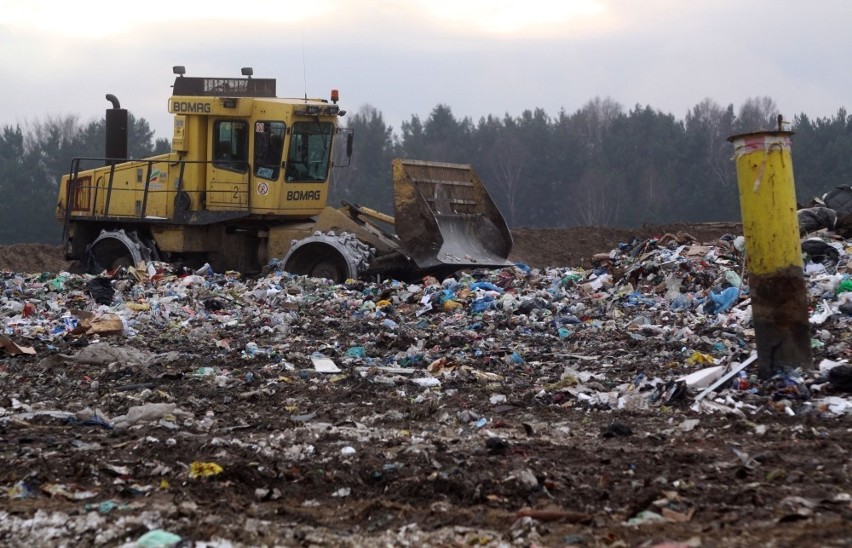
{"x":445,"y":219}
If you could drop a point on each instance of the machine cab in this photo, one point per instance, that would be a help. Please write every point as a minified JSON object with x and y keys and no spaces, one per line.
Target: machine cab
{"x":260,"y":154}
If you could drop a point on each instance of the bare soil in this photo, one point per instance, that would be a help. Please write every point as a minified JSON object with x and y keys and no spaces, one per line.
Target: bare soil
{"x":348,"y":460}
{"x":578,"y":245}
{"x":32,"y":258}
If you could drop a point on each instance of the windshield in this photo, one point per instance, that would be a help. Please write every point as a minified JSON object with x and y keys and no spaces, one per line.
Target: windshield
{"x":310,"y":151}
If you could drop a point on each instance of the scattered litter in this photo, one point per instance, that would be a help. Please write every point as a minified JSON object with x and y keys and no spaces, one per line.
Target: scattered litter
{"x":200,"y":469}
{"x":323,"y":364}
{"x":703,"y":377}
{"x":727,"y":376}
{"x":148,"y":412}
{"x":617,"y":429}
{"x":104,"y":354}
{"x":689,"y":425}
{"x":157,"y":538}
{"x":840,"y":378}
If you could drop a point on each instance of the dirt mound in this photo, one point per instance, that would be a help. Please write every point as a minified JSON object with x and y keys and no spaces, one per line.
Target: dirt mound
{"x":575,"y":246}
{"x":32,"y":258}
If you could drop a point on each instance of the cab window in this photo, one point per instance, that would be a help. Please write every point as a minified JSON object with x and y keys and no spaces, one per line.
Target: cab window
{"x":230,"y":145}
{"x":268,"y":148}
{"x":309,"y":154}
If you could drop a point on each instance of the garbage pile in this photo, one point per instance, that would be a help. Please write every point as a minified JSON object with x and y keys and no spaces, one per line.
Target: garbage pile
{"x":656,"y":324}
{"x":684,"y":307}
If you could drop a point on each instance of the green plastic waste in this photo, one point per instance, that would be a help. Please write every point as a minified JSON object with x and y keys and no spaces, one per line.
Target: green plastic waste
{"x":356,"y":352}
{"x":157,"y":538}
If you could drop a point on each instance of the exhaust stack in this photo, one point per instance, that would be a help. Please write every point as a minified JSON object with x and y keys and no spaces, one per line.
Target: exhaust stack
{"x":116,"y":132}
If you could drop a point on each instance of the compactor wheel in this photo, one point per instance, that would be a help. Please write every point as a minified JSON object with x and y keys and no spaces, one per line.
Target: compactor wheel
{"x":327,"y":255}
{"x":329,"y":265}
{"x":116,"y":248}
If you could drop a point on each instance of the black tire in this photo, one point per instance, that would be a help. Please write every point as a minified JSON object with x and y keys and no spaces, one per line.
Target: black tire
{"x":77,"y":267}
{"x":329,"y":268}
{"x":318,"y":261}
{"x":151,"y":245}
{"x":108,"y":254}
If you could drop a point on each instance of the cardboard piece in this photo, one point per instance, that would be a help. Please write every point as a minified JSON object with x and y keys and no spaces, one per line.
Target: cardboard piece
{"x":14,"y":349}
{"x":108,"y":324}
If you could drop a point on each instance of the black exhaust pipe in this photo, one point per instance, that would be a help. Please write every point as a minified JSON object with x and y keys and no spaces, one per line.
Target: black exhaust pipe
{"x":116,"y":131}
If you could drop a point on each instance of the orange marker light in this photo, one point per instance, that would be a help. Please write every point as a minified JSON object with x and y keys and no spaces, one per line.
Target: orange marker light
{"x":335,"y":96}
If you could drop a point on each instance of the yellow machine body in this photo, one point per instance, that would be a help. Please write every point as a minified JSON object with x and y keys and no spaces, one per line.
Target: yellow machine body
{"x":248,"y":173}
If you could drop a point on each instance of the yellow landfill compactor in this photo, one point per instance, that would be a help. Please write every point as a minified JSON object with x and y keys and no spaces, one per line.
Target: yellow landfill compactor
{"x":247,"y":181}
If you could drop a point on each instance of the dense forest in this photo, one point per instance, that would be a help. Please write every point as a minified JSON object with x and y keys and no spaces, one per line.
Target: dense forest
{"x":32,"y":161}
{"x":602,"y":165}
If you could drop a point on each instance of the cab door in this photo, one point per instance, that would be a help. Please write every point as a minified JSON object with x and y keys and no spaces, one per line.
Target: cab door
{"x":269,"y":136}
{"x":228,"y":172}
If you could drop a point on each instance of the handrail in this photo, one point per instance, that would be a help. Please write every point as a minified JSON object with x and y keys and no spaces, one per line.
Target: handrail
{"x":73,"y":189}
{"x":75,"y":167}
{"x":145,"y":192}
{"x":109,"y":188}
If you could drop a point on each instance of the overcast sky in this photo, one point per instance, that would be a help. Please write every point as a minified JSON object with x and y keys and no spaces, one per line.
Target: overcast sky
{"x":405,"y":57}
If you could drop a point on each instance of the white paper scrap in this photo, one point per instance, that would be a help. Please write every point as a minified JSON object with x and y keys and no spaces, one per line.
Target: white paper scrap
{"x":324,"y":365}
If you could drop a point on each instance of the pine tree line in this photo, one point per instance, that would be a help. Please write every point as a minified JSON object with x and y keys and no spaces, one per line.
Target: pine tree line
{"x":602,"y":165}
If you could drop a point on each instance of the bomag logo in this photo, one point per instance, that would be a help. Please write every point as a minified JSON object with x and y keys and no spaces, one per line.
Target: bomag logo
{"x":303,"y":195}
{"x":191,"y":107}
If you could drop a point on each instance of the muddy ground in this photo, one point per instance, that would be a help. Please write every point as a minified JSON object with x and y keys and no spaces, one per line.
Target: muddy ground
{"x":496,"y":455}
